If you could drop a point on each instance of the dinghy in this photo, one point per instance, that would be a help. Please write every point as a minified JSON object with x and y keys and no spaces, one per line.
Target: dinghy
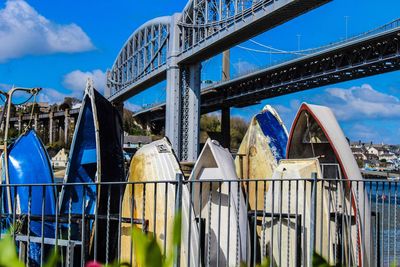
{"x":263,"y":145}
{"x":154,"y":203}
{"x":316,"y":133}
{"x":95,"y":156}
{"x":286,"y":238}
{"x":29,"y":163}
{"x":220,"y":207}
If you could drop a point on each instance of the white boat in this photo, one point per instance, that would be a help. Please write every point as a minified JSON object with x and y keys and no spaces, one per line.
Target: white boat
{"x":220,"y":207}
{"x":287,"y":237}
{"x":316,"y":133}
{"x":156,"y":204}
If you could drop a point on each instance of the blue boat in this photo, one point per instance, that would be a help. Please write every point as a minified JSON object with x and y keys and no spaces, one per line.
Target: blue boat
{"x":95,"y":156}
{"x":29,"y":163}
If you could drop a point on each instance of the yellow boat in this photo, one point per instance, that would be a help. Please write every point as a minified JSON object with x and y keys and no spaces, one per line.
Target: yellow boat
{"x":154,"y":203}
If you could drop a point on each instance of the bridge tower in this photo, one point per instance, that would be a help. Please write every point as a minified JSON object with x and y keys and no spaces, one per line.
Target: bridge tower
{"x":182,"y":100}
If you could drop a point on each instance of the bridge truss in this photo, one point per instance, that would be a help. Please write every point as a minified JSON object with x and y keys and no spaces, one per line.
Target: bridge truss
{"x":172,"y":48}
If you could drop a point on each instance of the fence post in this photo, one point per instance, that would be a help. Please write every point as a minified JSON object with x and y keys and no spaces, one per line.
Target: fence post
{"x":178,"y":208}
{"x":312,"y":215}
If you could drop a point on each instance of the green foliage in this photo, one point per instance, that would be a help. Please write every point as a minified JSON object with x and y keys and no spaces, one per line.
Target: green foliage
{"x":148,"y":252}
{"x":8,"y":253}
{"x":129,"y":124}
{"x":210,"y":123}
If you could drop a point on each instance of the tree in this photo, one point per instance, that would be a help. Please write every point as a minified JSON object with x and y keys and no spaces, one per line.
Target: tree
{"x":210,"y":123}
{"x":129,"y":124}
{"x":238,"y":130}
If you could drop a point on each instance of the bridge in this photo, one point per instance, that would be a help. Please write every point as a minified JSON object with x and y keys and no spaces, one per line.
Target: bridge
{"x":173,"y":47}
{"x":53,"y":126}
{"x":374,"y":52}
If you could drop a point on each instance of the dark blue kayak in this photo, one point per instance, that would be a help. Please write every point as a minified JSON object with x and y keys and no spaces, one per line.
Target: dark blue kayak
{"x":95,"y":156}
{"x":29,"y":163}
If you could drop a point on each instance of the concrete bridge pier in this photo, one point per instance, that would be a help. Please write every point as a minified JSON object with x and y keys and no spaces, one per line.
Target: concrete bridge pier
{"x":51,"y":115}
{"x":66,"y":125}
{"x":19,"y":124}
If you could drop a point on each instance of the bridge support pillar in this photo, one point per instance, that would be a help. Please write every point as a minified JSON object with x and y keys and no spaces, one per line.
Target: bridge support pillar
{"x":35,"y":121}
{"x":183,"y":101}
{"x":19,"y":124}
{"x":66,"y":126}
{"x":190,"y":112}
{"x":226,"y":127}
{"x":183,"y":110}
{"x":51,"y":128}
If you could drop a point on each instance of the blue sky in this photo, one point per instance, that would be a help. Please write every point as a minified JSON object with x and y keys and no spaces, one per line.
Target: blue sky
{"x":57,"y":44}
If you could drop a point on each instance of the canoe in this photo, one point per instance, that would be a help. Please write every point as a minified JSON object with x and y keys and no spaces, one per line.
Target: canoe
{"x":287,"y":241}
{"x":220,"y":207}
{"x":95,"y":156}
{"x":154,"y":204}
{"x":263,"y":145}
{"x":316,"y":133}
{"x":29,"y":163}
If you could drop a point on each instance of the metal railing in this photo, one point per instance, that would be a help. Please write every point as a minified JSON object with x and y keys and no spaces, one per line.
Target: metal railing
{"x":224,"y":223}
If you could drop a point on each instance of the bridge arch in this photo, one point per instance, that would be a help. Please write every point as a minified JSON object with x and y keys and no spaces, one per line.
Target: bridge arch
{"x":144,"y":52}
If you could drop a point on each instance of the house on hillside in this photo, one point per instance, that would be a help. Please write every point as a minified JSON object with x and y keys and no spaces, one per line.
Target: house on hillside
{"x":60,"y":159}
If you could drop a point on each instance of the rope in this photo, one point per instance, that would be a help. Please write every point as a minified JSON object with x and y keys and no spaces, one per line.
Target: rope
{"x":31,"y":116}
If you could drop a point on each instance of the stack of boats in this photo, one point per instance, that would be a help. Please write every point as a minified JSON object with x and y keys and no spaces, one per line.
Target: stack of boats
{"x":278,"y":198}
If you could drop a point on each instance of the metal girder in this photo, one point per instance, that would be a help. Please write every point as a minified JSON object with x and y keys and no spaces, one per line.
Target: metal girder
{"x":205,"y":28}
{"x":209,"y":27}
{"x":356,"y":58}
{"x":141,"y":61}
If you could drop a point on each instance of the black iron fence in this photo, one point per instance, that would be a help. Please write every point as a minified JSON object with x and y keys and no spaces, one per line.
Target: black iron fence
{"x":222,"y":222}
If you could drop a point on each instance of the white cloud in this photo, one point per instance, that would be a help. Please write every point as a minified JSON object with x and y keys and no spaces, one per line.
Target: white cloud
{"x":76,"y":80}
{"x":51,"y":95}
{"x":361,"y":102}
{"x":23,"y":31}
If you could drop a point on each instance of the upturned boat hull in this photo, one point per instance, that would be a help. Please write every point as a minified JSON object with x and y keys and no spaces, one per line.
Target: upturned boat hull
{"x":29,"y":163}
{"x":220,"y":207}
{"x":95,"y":156}
{"x":316,"y":133}
{"x":154,"y":203}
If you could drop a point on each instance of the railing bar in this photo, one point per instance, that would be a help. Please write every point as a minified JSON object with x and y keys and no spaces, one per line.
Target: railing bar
{"x":189,"y":205}
{"x":289,"y":222}
{"x":42,"y":225}
{"x":96,"y":216}
{"x":121,"y":195}
{"x":155,"y":210}
{"x":263,"y":220}
{"x":304,"y":223}
{"x":108,"y":223}
{"x":83,"y":226}
{"x":165,"y":218}
{"x":229,"y":221}
{"x":388,"y":232}
{"x":296,"y":248}
{"x":29,"y":224}
{"x":382,"y":222}
{"x":209,"y":225}
{"x":254,"y":224}
{"x":248,"y":244}
{"x":201,"y":255}
{"x":271,"y":248}
{"x":322,"y":217}
{"x":219,"y":222}
{"x":132,"y":201}
{"x":329,"y":220}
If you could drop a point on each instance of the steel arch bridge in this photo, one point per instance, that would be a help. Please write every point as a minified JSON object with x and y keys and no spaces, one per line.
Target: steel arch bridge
{"x":172,"y":48}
